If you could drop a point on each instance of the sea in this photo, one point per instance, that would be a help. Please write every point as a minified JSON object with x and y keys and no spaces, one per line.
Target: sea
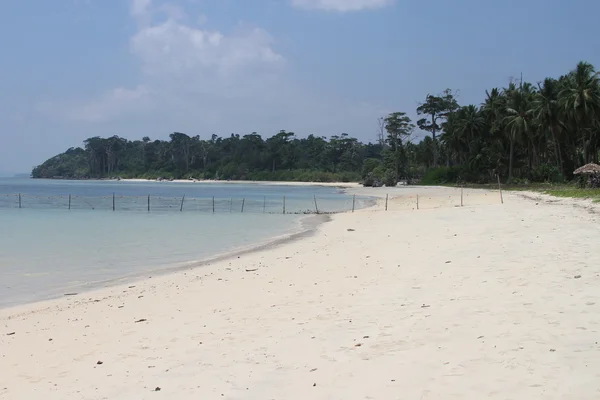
{"x":60,"y":237}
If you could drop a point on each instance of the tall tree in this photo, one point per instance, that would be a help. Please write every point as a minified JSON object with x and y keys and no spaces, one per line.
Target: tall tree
{"x":436,"y":108}
{"x":518,"y":118}
{"x":581,"y":101}
{"x":546,"y":111}
{"x":398,"y":127}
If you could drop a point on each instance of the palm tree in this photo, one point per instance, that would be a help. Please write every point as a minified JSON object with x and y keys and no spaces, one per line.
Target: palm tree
{"x":451,"y":136}
{"x":581,"y":101}
{"x":547,"y":115}
{"x":493,"y":108}
{"x":518,"y":116}
{"x":470,"y":127}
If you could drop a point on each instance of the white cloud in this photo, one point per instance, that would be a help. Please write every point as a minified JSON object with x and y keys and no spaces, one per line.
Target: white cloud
{"x":174,"y":48}
{"x":181,"y":64}
{"x":202,"y":81}
{"x":341,"y":5}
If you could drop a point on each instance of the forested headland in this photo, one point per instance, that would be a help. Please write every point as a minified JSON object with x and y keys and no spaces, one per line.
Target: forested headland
{"x":524,"y":132}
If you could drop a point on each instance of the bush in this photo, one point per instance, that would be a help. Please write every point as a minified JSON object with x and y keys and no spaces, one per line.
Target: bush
{"x":517,"y":181}
{"x":369,"y":165}
{"x":441,"y":175}
{"x":372,"y":181}
{"x":546,"y":173}
{"x":389,"y":178}
{"x":303,"y":176}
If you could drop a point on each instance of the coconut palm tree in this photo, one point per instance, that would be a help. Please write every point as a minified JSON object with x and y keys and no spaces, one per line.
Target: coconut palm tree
{"x":452,"y":138}
{"x":546,"y":110}
{"x":493,"y":109}
{"x":471,"y":126}
{"x":518,"y":117}
{"x":580,"y":99}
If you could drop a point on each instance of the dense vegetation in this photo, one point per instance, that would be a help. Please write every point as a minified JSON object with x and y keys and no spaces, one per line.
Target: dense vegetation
{"x":523,"y":132}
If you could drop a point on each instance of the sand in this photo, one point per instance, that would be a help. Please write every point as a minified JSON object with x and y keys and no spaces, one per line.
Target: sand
{"x":269,"y":183}
{"x":485,"y":301}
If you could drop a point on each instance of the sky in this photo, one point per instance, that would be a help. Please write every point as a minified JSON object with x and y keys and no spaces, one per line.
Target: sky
{"x":72,"y":69}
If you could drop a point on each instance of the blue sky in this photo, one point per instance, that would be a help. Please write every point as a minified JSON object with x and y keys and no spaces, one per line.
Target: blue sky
{"x":72,"y":69}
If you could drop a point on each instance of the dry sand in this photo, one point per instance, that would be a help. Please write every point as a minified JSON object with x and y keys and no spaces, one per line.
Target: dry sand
{"x":490,"y":300}
{"x":269,"y":183}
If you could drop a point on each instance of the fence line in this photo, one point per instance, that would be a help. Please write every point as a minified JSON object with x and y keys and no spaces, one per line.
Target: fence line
{"x":149,"y":203}
{"x":457,"y":197}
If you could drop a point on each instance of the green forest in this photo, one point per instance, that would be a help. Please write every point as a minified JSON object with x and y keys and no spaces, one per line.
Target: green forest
{"x":524,"y":132}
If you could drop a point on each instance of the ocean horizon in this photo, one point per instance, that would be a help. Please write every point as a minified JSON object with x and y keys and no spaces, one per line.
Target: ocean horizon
{"x":48,"y":250}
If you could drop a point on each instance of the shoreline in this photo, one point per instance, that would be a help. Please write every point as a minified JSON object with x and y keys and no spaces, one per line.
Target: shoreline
{"x":213,"y":181}
{"x":464,"y":301}
{"x":305,"y":226}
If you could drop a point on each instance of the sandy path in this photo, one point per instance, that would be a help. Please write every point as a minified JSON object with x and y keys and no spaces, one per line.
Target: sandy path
{"x":487,"y":301}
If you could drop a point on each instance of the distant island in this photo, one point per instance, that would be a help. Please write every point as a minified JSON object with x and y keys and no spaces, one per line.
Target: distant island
{"x":524,"y":132}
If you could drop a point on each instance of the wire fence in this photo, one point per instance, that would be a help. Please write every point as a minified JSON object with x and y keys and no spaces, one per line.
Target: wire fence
{"x":403,"y":199}
{"x":116,"y":202}
{"x":416,"y":198}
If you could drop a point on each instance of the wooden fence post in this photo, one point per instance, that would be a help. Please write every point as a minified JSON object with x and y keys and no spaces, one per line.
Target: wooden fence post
{"x":230,"y":204}
{"x":20,"y":203}
{"x":386,"y":201}
{"x":500,"y":189}
{"x":316,"y":206}
{"x":213,"y":204}
{"x":113,"y":201}
{"x":148,"y":203}
{"x":182,"y":200}
{"x":243,"y":202}
{"x":284,"y":204}
{"x":353,"y":201}
{"x":69,"y":201}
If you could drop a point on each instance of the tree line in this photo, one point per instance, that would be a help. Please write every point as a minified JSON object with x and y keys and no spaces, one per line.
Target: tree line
{"x":522,"y":132}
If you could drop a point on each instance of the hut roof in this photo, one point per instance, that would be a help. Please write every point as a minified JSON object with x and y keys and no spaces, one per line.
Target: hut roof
{"x":590,"y":168}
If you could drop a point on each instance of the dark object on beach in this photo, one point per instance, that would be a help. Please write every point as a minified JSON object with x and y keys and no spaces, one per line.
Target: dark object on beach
{"x":350,"y":230}
{"x":99,"y":363}
{"x":448,"y":262}
{"x":358,"y":345}
{"x":371,"y":181}
{"x":141,"y":320}
{"x":425,"y":306}
{"x":577,"y":276}
{"x":314,"y":384}
{"x":71,"y":294}
{"x":10,"y":334}
{"x":157,"y":389}
{"x":589,"y":175}
{"x":252,"y":270}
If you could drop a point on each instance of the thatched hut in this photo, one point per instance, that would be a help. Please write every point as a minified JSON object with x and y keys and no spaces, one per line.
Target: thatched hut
{"x":592,"y":172}
{"x":588,"y":169}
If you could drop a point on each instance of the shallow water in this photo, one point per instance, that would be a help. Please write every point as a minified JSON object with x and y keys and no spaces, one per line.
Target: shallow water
{"x":47,"y":250}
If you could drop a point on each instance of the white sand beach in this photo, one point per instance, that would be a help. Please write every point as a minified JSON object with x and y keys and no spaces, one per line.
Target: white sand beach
{"x":270,"y":183}
{"x":485,"y":301}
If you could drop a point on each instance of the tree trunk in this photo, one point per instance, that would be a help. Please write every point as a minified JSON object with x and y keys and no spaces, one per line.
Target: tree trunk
{"x":559,"y":162}
{"x":510,"y":160}
{"x":435,"y":149}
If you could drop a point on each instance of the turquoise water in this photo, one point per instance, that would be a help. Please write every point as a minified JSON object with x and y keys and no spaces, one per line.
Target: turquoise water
{"x":47,"y":250}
